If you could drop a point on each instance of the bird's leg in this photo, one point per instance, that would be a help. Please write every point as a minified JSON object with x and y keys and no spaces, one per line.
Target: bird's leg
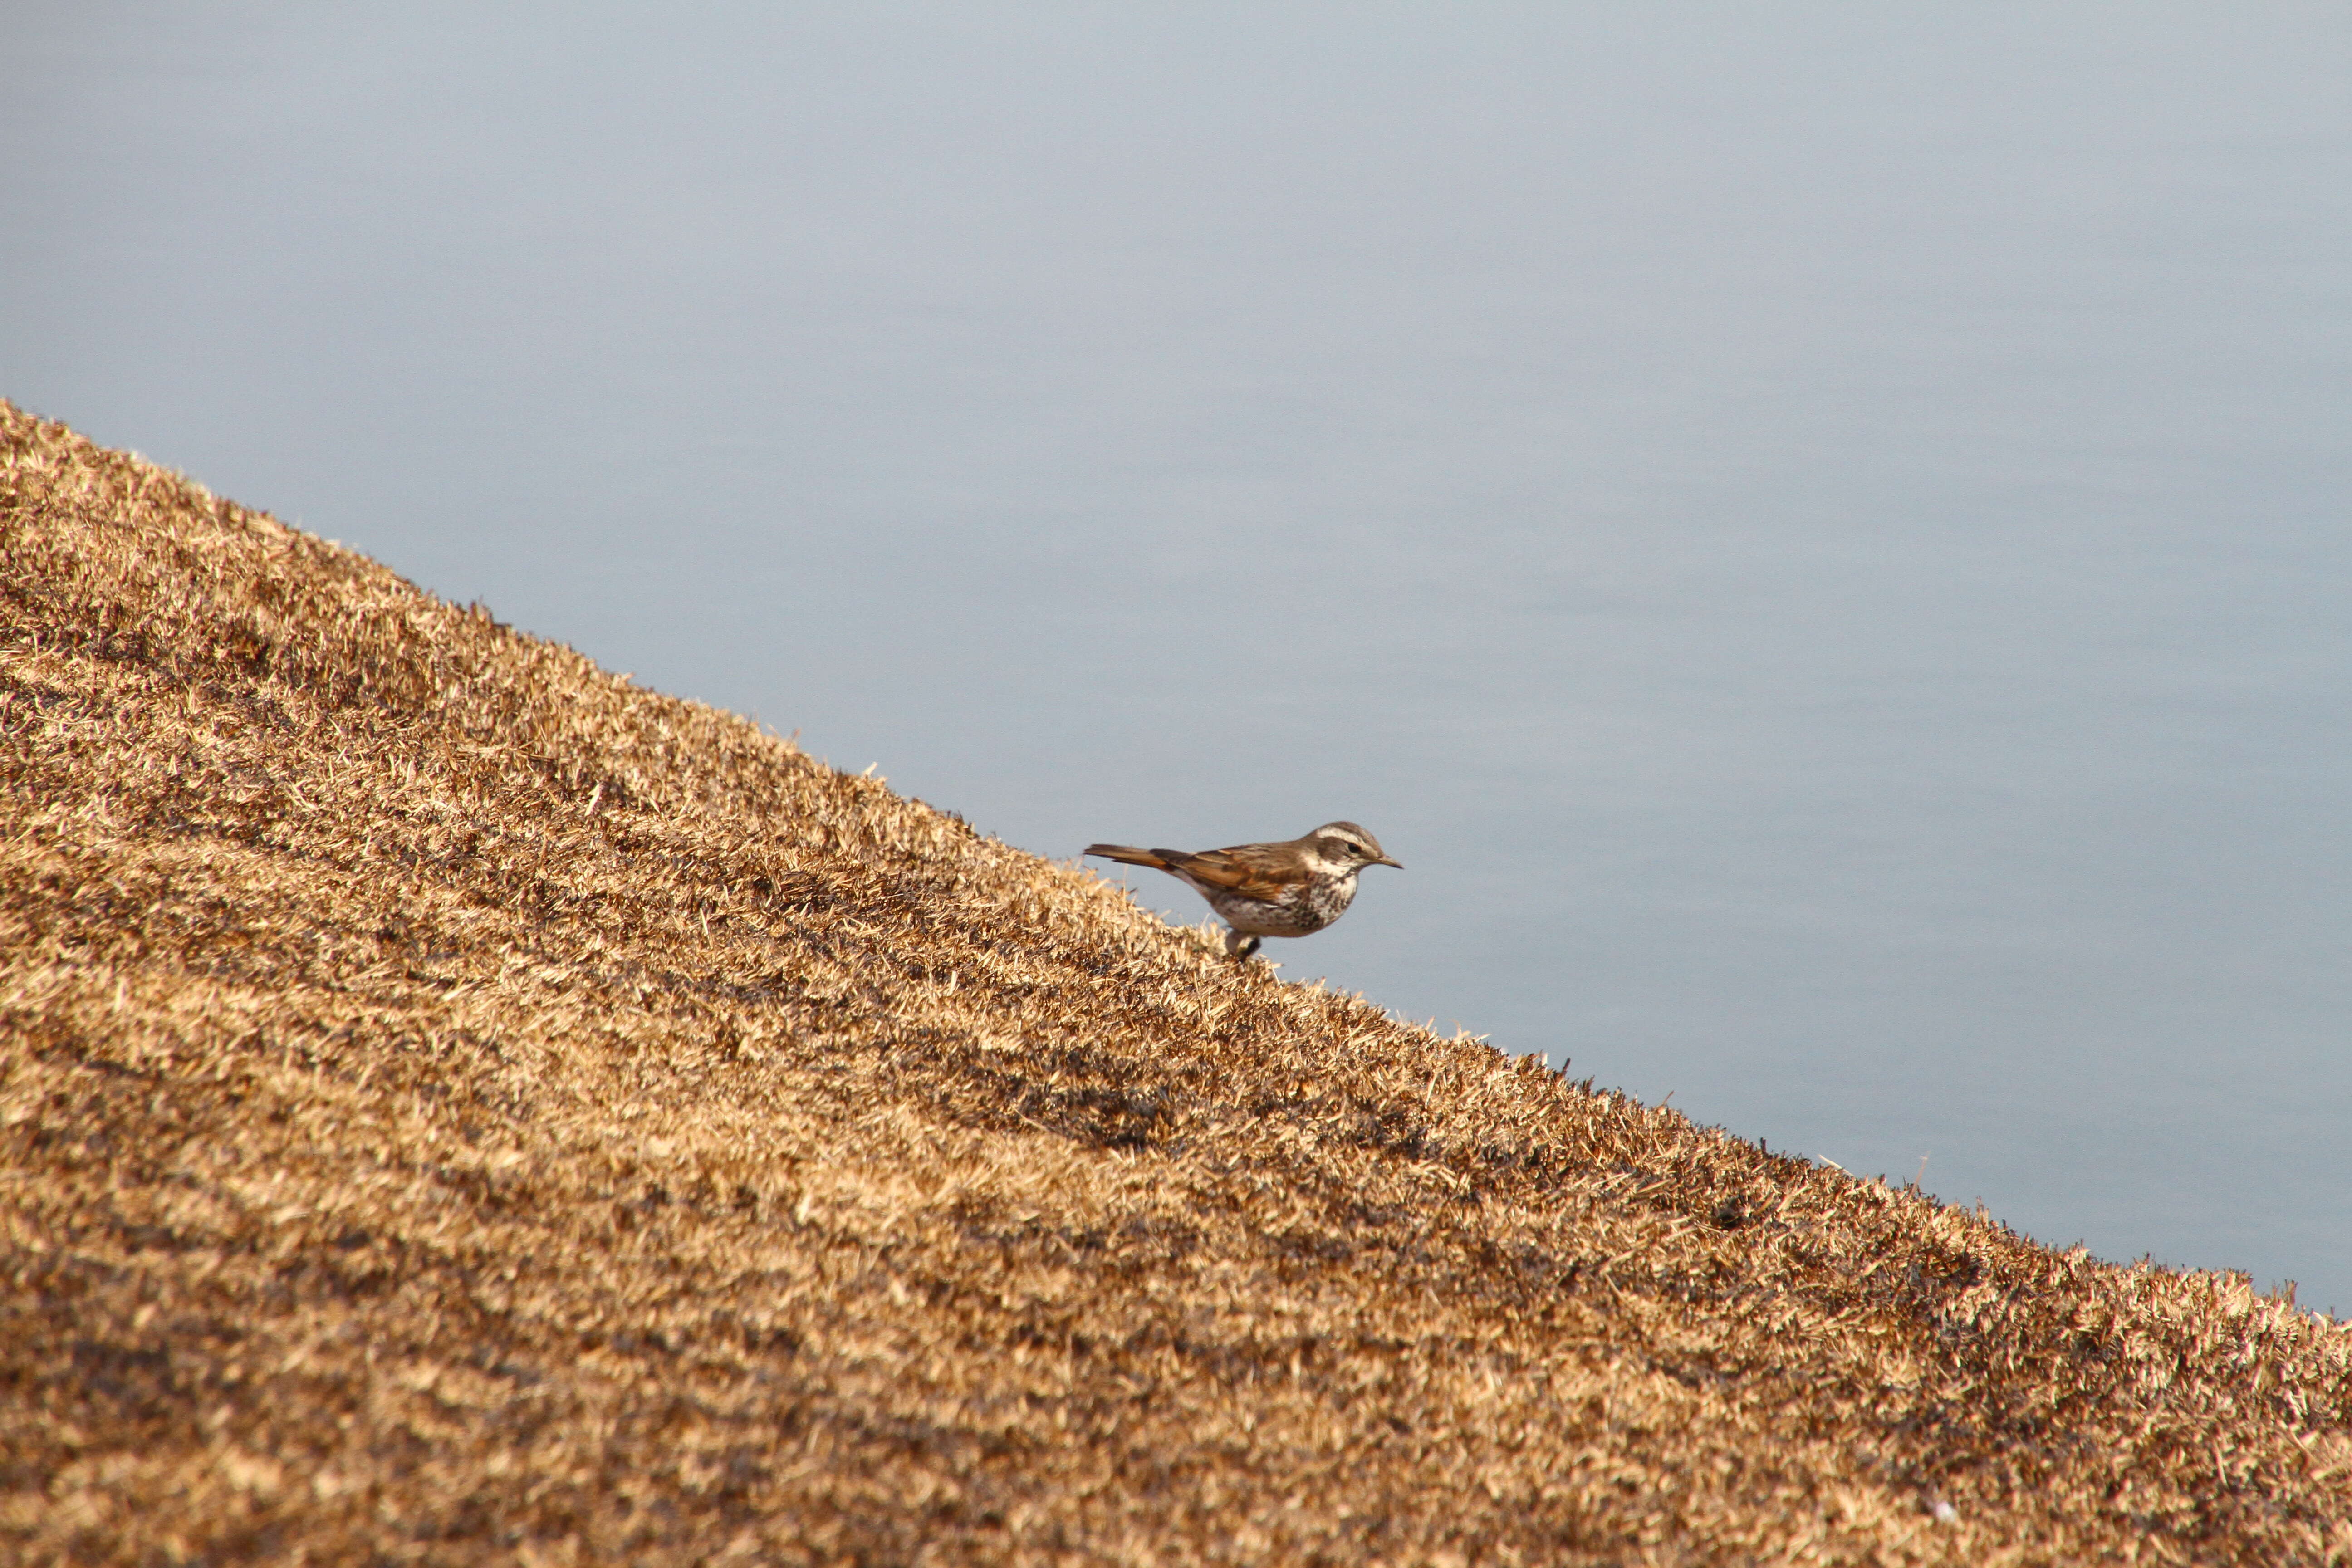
{"x":1240,"y":948}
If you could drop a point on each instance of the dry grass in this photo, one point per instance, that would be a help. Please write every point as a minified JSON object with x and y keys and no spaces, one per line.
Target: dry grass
{"x":456,"y":1107}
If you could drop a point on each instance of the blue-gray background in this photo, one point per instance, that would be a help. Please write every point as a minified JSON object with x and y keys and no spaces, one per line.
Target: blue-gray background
{"x":1817,"y":532}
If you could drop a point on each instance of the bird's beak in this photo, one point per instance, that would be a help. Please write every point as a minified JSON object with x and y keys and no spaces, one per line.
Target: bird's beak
{"x":1384,"y":861}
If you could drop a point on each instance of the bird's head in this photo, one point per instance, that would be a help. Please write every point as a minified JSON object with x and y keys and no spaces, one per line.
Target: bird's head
{"x":1343,"y":843}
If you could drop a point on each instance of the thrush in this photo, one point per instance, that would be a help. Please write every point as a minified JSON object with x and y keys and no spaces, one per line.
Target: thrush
{"x":1290,"y":889}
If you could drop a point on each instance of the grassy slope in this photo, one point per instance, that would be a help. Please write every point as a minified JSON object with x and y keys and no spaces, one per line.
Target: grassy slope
{"x":454,"y":1104}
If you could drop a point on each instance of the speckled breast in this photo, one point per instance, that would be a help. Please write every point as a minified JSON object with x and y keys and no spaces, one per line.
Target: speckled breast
{"x":1311,"y":907}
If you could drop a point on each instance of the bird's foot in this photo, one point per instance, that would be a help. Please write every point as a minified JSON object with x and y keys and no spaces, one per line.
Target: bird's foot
{"x":1241,"y":949}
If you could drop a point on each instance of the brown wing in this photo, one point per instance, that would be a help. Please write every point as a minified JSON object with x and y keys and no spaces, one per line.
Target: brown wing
{"x":1263,"y":871}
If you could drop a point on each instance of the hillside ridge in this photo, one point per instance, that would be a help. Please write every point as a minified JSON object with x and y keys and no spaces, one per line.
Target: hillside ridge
{"x":458,"y":1106}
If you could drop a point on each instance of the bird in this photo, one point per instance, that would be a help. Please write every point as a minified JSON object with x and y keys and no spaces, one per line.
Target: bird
{"x":1291,"y":888}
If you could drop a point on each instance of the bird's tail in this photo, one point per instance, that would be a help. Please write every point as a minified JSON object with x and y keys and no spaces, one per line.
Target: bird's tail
{"x":1129,"y":855}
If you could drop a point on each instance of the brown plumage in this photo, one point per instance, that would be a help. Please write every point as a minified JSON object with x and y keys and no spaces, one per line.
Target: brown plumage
{"x":1287,"y":888}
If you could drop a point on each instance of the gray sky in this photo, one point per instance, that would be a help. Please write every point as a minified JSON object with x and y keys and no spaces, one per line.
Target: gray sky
{"x":1818,"y":533}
